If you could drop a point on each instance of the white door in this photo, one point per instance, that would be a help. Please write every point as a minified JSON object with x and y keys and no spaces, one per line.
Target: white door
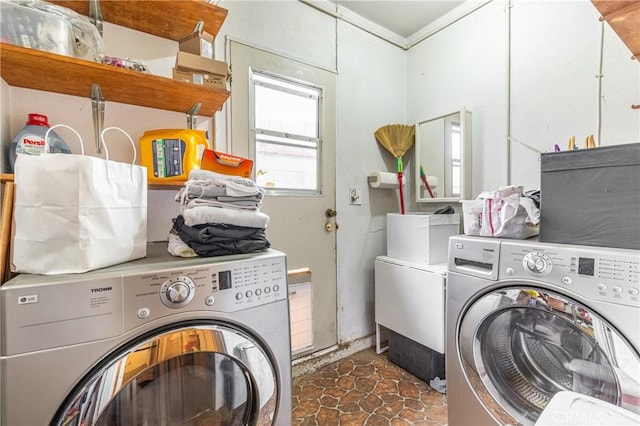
{"x":302,"y":223}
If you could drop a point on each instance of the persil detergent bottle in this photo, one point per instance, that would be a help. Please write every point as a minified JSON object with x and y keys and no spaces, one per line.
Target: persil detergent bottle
{"x":30,"y":140}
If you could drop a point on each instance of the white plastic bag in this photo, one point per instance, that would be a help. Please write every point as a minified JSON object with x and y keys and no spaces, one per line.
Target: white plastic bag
{"x":502,"y":213}
{"x":75,"y":213}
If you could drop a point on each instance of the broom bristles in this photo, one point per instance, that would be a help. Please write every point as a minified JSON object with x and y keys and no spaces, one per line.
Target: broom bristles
{"x":396,"y":138}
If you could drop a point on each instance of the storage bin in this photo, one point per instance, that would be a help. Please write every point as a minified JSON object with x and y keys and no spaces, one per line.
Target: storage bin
{"x":419,"y":360}
{"x":421,"y":237}
{"x":591,"y":197}
{"x":35,"y":29}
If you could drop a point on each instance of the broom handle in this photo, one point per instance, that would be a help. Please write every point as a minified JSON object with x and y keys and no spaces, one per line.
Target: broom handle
{"x":400,"y":169}
{"x":401,"y":193}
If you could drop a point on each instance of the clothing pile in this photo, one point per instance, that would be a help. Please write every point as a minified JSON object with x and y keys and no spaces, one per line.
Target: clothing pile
{"x":220,"y":215}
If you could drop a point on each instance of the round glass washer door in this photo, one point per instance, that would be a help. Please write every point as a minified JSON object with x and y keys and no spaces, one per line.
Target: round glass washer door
{"x":214,"y":374}
{"x":519,"y":346}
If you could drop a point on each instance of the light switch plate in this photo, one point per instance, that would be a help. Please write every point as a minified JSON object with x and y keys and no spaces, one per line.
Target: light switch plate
{"x":354,"y":197}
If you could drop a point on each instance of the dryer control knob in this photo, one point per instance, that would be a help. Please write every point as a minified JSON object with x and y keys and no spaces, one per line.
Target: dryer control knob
{"x":177,"y":292}
{"x":538,"y":263}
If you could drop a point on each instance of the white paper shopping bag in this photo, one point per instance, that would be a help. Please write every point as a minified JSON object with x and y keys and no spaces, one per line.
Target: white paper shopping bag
{"x":75,"y":213}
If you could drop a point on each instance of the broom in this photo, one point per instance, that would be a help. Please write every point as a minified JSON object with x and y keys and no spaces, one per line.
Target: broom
{"x":397,"y":139}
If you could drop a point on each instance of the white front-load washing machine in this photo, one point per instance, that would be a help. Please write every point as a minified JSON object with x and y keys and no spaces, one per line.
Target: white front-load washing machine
{"x":527,"y":320}
{"x":157,"y":341}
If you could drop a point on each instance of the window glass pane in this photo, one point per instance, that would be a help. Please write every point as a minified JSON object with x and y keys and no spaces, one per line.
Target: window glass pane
{"x":455,"y":179}
{"x":285,"y":85}
{"x":455,"y":141}
{"x":286,"y":112}
{"x":286,"y":166}
{"x":286,"y":135}
{"x":456,"y":147}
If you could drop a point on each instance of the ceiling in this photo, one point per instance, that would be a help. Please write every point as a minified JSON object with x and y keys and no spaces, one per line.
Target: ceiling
{"x":401,"y":17}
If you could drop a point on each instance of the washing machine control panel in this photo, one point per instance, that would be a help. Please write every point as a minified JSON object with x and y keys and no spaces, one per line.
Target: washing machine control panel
{"x":611,"y":275}
{"x":217,"y":286}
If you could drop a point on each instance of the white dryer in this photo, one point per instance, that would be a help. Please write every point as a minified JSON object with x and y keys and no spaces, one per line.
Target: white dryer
{"x":527,"y":320}
{"x":157,"y":341}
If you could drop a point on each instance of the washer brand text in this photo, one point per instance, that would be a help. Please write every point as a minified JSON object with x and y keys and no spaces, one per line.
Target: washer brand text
{"x":101,"y":289}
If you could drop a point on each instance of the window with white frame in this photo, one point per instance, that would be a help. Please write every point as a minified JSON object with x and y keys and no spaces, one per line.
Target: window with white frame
{"x":285,"y":120}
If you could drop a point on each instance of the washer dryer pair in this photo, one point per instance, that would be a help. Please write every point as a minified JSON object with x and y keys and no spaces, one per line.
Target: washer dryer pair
{"x":527,"y":320}
{"x":157,"y":341}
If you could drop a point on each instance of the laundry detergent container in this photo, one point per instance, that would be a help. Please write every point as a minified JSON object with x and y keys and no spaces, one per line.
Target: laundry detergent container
{"x":591,"y":197}
{"x":421,"y":237}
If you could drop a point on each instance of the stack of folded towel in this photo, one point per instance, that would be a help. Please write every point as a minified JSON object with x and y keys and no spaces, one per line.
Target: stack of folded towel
{"x":220,"y":215}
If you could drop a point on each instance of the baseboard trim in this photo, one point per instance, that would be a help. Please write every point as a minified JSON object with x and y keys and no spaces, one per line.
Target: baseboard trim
{"x":312,"y":362}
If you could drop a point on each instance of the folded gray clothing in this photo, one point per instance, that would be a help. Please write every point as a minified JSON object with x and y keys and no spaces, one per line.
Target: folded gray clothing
{"x":235,"y":185}
{"x":253,"y":198}
{"x":194,"y":190}
{"x":241,"y":205}
{"x":221,"y":239}
{"x":191,"y":191}
{"x":201,"y":215}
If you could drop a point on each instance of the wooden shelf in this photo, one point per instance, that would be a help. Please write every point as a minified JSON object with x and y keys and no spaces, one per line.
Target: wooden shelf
{"x":175,"y":184}
{"x":172,"y":19}
{"x":72,"y":76}
{"x":624,"y":18}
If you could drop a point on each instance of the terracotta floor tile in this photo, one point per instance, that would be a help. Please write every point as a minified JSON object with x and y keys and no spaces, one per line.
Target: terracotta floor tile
{"x":366,"y":389}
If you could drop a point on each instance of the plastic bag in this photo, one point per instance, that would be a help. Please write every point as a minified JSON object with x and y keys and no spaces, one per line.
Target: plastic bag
{"x":89,"y":44}
{"x":504,"y":213}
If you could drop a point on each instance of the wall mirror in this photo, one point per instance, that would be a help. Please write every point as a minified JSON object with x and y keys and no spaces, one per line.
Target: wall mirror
{"x":443,"y":152}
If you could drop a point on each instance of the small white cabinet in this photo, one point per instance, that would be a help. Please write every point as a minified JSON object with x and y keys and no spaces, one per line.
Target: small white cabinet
{"x":410,"y":300}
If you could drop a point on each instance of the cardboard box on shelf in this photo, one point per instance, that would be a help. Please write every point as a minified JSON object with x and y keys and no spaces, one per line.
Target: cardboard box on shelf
{"x":190,"y":62}
{"x":199,"y":70}
{"x":200,"y":78}
{"x":227,"y":164}
{"x":198,"y":43}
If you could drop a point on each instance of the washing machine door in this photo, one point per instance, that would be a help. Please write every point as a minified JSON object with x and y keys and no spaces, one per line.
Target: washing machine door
{"x":213,"y":374}
{"x":519,"y":346}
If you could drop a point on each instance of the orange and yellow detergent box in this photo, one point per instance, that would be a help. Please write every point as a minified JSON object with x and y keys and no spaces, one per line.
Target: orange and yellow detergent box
{"x":171,"y":154}
{"x":221,"y":162}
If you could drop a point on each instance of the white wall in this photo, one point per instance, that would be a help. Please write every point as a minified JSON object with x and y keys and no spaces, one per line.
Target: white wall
{"x":371,"y":94}
{"x":555,"y":57}
{"x":288,"y":27}
{"x":554,"y":93}
{"x":463,"y":65}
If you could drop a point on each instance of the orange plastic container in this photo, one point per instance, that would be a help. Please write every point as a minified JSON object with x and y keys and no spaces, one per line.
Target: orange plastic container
{"x":227,"y":164}
{"x":171,"y":154}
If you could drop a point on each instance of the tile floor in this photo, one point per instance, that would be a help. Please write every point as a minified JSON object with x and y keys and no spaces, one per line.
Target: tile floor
{"x":365,"y":389}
